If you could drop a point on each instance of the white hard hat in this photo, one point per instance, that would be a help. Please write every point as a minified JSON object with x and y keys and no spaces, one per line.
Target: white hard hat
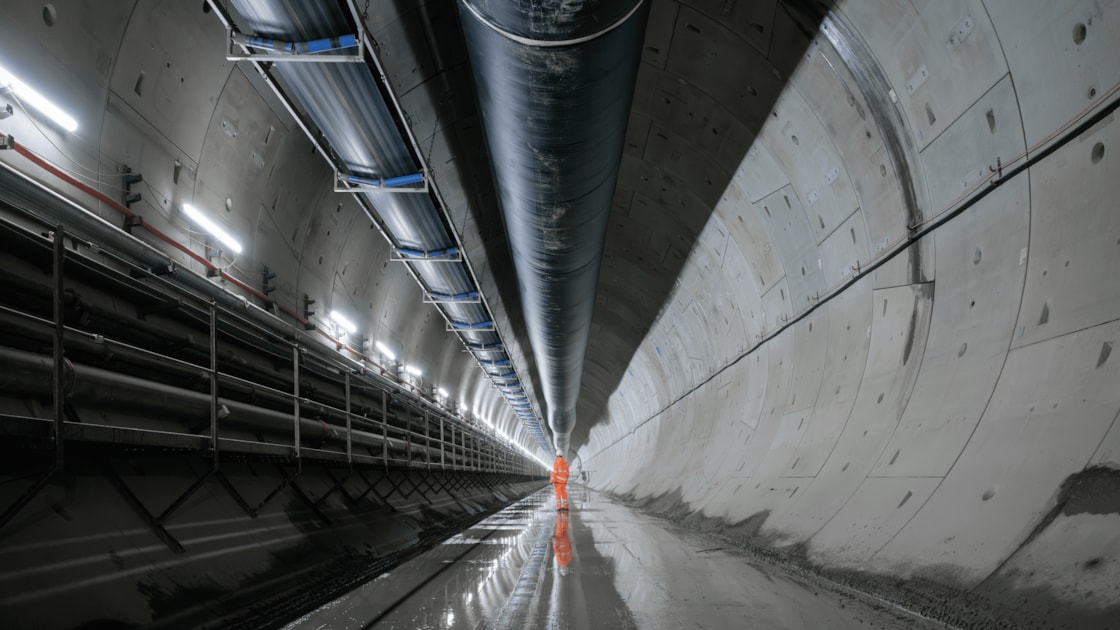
{"x":559,"y":453}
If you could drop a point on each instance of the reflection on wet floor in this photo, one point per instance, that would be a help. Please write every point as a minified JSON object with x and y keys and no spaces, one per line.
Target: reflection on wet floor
{"x":602,"y":565}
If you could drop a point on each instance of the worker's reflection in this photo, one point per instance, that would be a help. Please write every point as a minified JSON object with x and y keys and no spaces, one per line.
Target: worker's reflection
{"x":561,"y":544}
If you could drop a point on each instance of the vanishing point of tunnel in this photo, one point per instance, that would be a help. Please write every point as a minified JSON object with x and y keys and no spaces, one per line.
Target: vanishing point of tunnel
{"x":341,"y":314}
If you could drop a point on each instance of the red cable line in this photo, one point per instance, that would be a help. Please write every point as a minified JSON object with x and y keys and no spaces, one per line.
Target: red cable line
{"x":96,"y":194}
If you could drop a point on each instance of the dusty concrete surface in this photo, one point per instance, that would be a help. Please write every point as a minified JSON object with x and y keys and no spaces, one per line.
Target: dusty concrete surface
{"x":1008,"y":598}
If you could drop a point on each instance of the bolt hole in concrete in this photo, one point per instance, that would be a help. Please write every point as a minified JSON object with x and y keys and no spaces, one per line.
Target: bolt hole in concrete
{"x":229,"y":204}
{"x":795,"y":141}
{"x":50,"y":14}
{"x":977,"y":256}
{"x":1079,"y":32}
{"x":1098,"y":153}
{"x":1092,"y":92}
{"x":988,"y":494}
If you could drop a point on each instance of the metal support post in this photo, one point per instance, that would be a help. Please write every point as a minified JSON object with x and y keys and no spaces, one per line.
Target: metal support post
{"x":442,"y":463}
{"x":385,"y":428}
{"x":408,"y":436}
{"x":59,"y":352}
{"x":427,"y":441}
{"x":349,"y":433}
{"x":214,"y":383}
{"x":295,"y":400}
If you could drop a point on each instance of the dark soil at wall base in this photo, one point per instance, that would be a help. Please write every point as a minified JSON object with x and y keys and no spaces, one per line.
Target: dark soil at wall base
{"x":999,"y":601}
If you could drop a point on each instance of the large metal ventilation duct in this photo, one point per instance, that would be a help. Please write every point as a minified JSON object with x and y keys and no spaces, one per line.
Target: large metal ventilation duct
{"x":555,"y":81}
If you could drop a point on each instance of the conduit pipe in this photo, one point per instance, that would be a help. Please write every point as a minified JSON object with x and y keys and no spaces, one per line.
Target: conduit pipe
{"x":555,"y":81}
{"x":45,"y":204}
{"x":32,"y":197}
{"x":28,"y":374}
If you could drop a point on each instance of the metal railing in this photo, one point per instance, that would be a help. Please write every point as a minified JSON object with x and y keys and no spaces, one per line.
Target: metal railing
{"x":456,"y":445}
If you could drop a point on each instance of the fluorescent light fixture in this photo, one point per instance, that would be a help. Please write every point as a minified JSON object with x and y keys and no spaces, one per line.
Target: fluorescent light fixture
{"x":205,"y":223}
{"x":38,"y":101}
{"x":343,"y":323}
{"x":442,"y":392}
{"x":385,"y":351}
{"x":413,"y":370}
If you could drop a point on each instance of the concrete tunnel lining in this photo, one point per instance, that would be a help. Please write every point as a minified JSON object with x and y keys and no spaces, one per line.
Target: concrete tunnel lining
{"x":926,"y":424}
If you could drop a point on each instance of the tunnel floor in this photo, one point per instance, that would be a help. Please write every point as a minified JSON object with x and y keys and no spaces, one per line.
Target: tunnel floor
{"x":625,"y":569}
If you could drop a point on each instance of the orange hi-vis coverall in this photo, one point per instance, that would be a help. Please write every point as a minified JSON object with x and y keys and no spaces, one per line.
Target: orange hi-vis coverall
{"x":561,"y":544}
{"x":559,"y":480}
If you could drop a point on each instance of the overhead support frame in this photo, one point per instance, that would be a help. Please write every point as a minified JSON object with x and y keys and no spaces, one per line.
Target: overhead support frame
{"x":407,"y":254}
{"x":460,"y":327}
{"x":350,"y":183}
{"x":314,"y":51}
{"x":467,"y":297}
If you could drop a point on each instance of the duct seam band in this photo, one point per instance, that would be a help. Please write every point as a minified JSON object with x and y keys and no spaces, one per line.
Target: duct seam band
{"x":544,"y":43}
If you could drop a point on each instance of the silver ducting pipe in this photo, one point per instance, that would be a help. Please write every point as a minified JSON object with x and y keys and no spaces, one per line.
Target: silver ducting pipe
{"x":555,"y":82}
{"x":29,"y":374}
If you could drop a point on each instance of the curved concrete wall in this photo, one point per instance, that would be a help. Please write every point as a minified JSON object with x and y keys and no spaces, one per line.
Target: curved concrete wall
{"x":934,"y":418}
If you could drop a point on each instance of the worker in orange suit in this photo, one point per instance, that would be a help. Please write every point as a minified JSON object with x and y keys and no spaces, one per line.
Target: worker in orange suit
{"x":561,"y":544}
{"x":559,"y":480}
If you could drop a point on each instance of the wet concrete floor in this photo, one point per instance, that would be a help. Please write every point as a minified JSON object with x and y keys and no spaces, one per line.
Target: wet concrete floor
{"x":601,"y":565}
